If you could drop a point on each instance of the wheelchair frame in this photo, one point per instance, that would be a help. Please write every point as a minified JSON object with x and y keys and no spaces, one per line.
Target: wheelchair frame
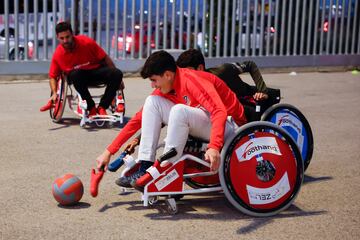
{"x":171,"y":183}
{"x":79,"y":106}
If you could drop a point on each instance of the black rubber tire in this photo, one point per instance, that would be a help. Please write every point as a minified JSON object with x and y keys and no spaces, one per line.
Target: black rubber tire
{"x":56,"y":113}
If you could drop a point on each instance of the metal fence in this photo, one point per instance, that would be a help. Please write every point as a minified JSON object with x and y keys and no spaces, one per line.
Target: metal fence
{"x":271,"y":32}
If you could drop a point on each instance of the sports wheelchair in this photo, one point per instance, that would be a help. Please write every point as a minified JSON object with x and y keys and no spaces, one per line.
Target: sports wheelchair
{"x":79,"y":106}
{"x":261,"y":170}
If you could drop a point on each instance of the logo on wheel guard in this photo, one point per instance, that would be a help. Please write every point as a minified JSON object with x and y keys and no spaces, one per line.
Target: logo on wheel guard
{"x":269,"y":195}
{"x":283,"y":119}
{"x":257,"y":146}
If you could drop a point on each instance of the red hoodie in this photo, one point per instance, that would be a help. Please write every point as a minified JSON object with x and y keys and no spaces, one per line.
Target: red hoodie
{"x":196,"y":89}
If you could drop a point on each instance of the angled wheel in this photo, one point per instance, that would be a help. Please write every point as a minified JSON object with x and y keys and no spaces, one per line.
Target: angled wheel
{"x":294,"y":122}
{"x":261,"y":170}
{"x":57,"y":111}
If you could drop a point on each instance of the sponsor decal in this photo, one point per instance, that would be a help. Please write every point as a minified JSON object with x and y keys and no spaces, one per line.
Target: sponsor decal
{"x":257,"y":146}
{"x":169,"y":178}
{"x":81,"y":65}
{"x":288,"y":120}
{"x":285,"y":119}
{"x":269,"y":195}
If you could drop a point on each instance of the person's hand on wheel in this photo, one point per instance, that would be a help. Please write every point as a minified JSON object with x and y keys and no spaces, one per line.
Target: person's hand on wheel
{"x":53,"y":97}
{"x":213,"y":156}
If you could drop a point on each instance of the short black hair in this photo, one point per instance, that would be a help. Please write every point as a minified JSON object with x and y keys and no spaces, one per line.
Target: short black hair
{"x":191,"y":58}
{"x":63,"y":27}
{"x":157,"y":63}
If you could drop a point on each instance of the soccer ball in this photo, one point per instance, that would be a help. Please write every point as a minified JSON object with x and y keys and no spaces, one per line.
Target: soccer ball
{"x":68,"y":189}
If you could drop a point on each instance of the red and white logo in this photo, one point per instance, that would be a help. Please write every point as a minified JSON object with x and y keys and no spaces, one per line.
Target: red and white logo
{"x":257,"y":146}
{"x":284,"y":119}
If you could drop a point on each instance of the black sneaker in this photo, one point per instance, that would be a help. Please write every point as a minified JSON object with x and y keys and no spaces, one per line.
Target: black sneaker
{"x":126,"y":181}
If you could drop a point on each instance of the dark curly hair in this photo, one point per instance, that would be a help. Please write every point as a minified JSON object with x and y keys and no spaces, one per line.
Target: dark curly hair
{"x":63,"y":27}
{"x":157,"y":63}
{"x":190,"y":58}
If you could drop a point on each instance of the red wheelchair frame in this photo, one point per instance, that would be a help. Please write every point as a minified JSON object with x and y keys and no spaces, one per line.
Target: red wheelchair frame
{"x":261,"y":172}
{"x":79,"y":106}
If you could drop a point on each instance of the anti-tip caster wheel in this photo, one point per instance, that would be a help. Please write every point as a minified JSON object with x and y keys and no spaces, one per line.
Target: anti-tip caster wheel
{"x":171,"y":206}
{"x":153,"y":200}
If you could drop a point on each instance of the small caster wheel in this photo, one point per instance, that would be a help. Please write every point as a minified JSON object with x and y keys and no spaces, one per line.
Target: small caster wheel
{"x":82,"y":123}
{"x":153,"y":200}
{"x":171,"y":206}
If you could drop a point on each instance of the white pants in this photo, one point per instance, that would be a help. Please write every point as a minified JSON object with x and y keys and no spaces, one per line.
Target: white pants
{"x":181,"y":119}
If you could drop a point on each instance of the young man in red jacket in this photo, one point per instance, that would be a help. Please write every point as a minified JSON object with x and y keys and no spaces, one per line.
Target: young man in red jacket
{"x":85,"y":63}
{"x":188,"y":102}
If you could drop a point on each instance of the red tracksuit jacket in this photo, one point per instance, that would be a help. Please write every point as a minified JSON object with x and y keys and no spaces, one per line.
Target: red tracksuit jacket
{"x":196,"y":89}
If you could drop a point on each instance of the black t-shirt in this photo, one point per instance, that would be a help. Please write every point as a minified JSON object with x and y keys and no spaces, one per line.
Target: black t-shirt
{"x":229,"y":73}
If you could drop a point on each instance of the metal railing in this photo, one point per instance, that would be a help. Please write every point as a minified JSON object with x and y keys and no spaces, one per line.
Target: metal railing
{"x":271,"y":32}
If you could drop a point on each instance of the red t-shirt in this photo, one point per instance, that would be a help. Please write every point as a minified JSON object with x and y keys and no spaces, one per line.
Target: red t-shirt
{"x":87,"y":54}
{"x":196,"y":89}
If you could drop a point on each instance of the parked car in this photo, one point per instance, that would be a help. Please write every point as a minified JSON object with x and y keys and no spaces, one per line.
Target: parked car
{"x":130,"y":41}
{"x":11,"y":52}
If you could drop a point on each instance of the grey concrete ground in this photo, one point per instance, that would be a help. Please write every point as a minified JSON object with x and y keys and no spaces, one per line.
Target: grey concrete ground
{"x":34,"y":152}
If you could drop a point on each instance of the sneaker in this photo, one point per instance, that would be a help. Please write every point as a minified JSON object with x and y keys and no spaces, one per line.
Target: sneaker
{"x":92,"y":112}
{"x":101,"y":111}
{"x":126,"y":181}
{"x":120,"y":108}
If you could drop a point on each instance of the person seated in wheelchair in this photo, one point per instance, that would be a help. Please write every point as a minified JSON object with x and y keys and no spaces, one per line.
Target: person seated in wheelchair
{"x":189,"y":102}
{"x":85,"y":64}
{"x":249,"y":96}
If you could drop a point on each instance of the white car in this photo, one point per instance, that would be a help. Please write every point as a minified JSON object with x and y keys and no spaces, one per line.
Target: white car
{"x":11,"y":52}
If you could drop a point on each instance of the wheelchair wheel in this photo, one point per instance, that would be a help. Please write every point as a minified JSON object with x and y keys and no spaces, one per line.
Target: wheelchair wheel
{"x":261,"y":170}
{"x":57,"y":111}
{"x":294,"y":122}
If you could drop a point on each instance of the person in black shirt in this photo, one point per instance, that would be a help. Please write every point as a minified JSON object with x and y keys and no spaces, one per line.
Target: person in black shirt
{"x":252,"y":97}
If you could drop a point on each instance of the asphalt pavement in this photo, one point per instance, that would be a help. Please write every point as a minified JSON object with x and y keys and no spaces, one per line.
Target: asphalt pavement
{"x":34,"y":151}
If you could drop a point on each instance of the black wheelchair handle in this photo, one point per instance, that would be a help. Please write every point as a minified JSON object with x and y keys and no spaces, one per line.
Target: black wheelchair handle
{"x":169,"y":154}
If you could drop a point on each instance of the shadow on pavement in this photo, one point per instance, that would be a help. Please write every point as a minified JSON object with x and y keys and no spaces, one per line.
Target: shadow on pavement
{"x":79,"y":205}
{"x":291,"y":212}
{"x":215,"y":207}
{"x":67,"y":122}
{"x":310,"y":179}
{"x":136,"y":204}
